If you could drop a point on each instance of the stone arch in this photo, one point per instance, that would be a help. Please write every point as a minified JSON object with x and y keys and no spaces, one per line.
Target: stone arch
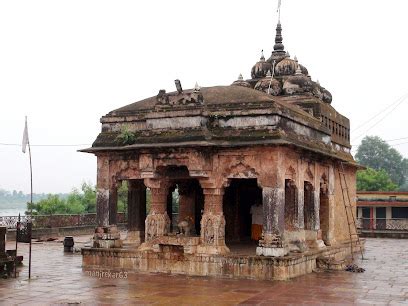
{"x":240,"y":170}
{"x":308,"y":174}
{"x":290,"y":174}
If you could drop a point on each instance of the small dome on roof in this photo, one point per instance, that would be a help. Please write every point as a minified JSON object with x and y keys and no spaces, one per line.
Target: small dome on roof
{"x":241,"y":82}
{"x":287,"y":66}
{"x":298,"y":84}
{"x":327,"y":96}
{"x":261,"y":68}
{"x":269,"y":85}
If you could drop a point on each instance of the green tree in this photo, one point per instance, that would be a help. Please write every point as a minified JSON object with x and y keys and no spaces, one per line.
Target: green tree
{"x":373,"y":180}
{"x":379,"y":155}
{"x":123,"y":197}
{"x":76,"y":202}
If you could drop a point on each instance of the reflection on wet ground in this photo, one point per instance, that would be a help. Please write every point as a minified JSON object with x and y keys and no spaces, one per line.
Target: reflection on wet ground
{"x":59,"y":278}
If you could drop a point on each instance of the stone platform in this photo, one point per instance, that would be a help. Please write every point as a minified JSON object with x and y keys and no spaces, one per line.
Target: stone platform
{"x":240,"y":264}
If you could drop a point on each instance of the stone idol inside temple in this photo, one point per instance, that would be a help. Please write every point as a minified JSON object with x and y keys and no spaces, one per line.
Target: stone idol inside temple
{"x":249,"y":180}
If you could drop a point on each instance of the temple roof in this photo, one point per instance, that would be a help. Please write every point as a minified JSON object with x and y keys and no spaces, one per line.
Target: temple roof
{"x":211,"y":96}
{"x":279,"y":105}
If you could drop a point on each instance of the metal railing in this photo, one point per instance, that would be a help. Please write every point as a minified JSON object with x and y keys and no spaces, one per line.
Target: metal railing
{"x":382,"y":224}
{"x":55,"y":221}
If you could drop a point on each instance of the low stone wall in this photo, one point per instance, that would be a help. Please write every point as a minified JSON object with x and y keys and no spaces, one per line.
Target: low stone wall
{"x":41,"y":233}
{"x":172,"y":260}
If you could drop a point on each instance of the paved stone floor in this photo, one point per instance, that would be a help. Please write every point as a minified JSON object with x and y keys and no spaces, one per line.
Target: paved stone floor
{"x":57,"y":278}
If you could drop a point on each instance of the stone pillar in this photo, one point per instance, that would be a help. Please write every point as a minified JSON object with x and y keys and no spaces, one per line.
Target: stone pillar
{"x":157,"y":222}
{"x":316,"y":222}
{"x":388,"y":213}
{"x":102,"y":192}
{"x":106,"y":234}
{"x":212,"y":239}
{"x":136,"y":212}
{"x":187,"y":197}
{"x":113,"y":203}
{"x":332,"y":205}
{"x":273,"y":200}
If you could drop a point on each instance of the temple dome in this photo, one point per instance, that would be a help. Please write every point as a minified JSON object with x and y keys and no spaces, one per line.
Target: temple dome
{"x":298,"y":84}
{"x":287,"y":66}
{"x":261,"y":68}
{"x":274,"y":86}
{"x":241,"y":82}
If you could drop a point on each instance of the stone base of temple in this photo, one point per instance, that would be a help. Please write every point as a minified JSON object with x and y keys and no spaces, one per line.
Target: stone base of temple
{"x":174,"y":260}
{"x":213,"y":250}
{"x":272,"y":252}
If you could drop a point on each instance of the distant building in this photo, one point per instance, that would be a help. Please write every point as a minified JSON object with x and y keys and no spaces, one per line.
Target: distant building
{"x":383,"y":213}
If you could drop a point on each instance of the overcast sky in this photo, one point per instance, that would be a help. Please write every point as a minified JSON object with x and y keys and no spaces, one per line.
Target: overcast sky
{"x":64,"y":64}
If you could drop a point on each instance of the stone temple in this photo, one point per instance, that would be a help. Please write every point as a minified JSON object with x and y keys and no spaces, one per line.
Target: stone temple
{"x":274,"y":140}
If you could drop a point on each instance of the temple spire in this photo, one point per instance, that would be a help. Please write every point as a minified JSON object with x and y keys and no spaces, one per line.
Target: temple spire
{"x":278,"y":47}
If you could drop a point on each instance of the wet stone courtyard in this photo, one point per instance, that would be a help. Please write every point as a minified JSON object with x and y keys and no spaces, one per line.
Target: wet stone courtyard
{"x":58,"y":278}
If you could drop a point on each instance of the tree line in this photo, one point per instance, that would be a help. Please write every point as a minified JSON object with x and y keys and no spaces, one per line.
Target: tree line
{"x":387,"y":169}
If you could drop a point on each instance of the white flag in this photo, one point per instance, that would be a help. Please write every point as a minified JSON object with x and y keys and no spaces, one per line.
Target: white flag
{"x":25,"y":137}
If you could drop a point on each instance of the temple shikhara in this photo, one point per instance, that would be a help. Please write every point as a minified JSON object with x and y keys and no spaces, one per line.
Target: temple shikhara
{"x":273,"y":142}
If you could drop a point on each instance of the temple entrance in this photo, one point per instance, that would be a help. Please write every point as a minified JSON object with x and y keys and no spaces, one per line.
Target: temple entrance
{"x":290,"y":205}
{"x":136,"y":210}
{"x":188,"y":198}
{"x":239,"y":197}
{"x":185,"y":199}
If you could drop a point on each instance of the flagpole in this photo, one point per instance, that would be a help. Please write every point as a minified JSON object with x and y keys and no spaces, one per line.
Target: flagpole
{"x":26,"y":141}
{"x":31,"y":180}
{"x":31,"y":207}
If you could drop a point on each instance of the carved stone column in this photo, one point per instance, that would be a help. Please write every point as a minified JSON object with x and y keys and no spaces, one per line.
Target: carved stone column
{"x":212,"y":239}
{"x":157,"y":222}
{"x":273,"y":200}
{"x":106,"y":234}
{"x":136,"y":212}
{"x":331,"y":240}
{"x":102,"y":192}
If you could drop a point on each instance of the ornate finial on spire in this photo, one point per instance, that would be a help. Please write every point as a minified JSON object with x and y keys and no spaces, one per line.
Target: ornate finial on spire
{"x":262,"y":56}
{"x":278,"y":39}
{"x":196,"y":87}
{"x":295,"y":59}
{"x":268,"y":74}
{"x":317,"y":82}
{"x":240,"y":77}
